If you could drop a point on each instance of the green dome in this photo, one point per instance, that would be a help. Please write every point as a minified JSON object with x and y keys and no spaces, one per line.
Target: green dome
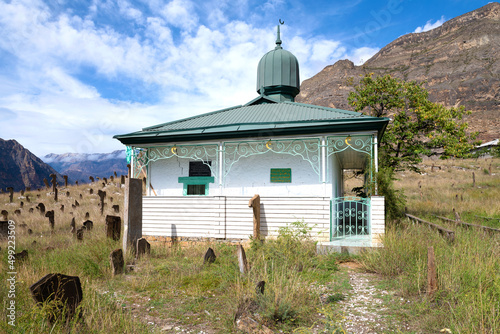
{"x":278,"y":74}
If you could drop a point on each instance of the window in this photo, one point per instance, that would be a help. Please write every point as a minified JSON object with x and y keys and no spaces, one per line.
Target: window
{"x":199,"y":178}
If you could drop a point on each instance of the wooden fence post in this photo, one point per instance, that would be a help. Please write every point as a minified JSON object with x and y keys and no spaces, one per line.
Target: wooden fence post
{"x":432,"y":283}
{"x":255,"y":204}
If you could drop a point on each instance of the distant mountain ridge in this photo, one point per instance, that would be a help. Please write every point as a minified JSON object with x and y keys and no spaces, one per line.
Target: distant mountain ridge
{"x":459,"y":63}
{"x":80,"y":166}
{"x":19,"y":168}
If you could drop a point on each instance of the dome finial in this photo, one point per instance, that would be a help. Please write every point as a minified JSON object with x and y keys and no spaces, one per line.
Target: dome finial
{"x":278,"y":40}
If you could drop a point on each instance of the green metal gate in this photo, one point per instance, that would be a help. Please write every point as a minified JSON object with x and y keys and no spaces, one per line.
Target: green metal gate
{"x":349,"y":217}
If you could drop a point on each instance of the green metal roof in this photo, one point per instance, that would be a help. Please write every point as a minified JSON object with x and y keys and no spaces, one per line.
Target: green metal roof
{"x":262,"y":116}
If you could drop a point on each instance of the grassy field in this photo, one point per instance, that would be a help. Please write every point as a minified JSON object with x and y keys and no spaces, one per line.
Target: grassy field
{"x":172,"y":290}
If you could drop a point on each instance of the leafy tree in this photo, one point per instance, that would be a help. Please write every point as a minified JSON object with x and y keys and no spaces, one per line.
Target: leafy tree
{"x":418,"y":126}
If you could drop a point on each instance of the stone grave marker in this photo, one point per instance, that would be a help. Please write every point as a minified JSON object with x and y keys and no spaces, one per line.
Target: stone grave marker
{"x":41,"y":208}
{"x":117,"y":261}
{"x":65,"y":290}
{"x":17,"y":212}
{"x":87,"y":215}
{"x":50,"y":215}
{"x":55,"y":194}
{"x":22,"y":256}
{"x":5,"y":214}
{"x":143,"y":247}
{"x":76,"y":182}
{"x":242,"y":260}
{"x":76,"y":203}
{"x":91,"y":179}
{"x":113,"y":227}
{"x":73,"y":225}
{"x":132,"y":215}
{"x":46,"y":182}
{"x":4,"y":228}
{"x":79,"y":234}
{"x":11,"y":194}
{"x":260,"y":287}
{"x":65,"y":181}
{"x":67,"y":194}
{"x":21,"y":204}
{"x":102,"y":196}
{"x":88,"y":225}
{"x":209,"y":256}
{"x":31,"y":210}
{"x":53,"y":181}
{"x":62,"y":208}
{"x":116,"y":208}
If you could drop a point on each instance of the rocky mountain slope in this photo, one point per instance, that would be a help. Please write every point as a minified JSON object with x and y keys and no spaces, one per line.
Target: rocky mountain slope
{"x":19,"y":168}
{"x":79,"y":166}
{"x":458,"y":61}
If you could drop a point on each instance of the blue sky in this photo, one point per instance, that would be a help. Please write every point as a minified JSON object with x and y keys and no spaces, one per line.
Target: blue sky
{"x":73,"y":73}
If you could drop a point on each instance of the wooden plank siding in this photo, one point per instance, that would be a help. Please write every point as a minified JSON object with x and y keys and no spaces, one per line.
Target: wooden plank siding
{"x":230,"y":217}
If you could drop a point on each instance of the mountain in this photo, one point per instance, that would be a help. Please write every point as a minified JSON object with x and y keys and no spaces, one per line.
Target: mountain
{"x":458,"y":62}
{"x":79,"y":166}
{"x":19,"y":168}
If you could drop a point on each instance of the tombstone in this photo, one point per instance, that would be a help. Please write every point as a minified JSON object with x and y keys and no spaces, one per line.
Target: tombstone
{"x":111,"y":178}
{"x":31,"y":210}
{"x":28,"y":199}
{"x":91,"y":191}
{"x":260,"y":287}
{"x":22,"y":256}
{"x":79,"y":234}
{"x":117,"y":262}
{"x":73,"y":207}
{"x":54,"y":181}
{"x":116,"y":175}
{"x":122,"y":179}
{"x":47,"y":185}
{"x":5,"y":214}
{"x":103,"y":185}
{"x":102,"y":196}
{"x":87,"y":215}
{"x":37,"y":195}
{"x":116,"y":208}
{"x":91,"y":179}
{"x":22,"y":192}
{"x":88,"y":225}
{"x":76,"y":203}
{"x":111,"y":199}
{"x":65,"y":181}
{"x":76,"y":182}
{"x":242,"y":260}
{"x":28,"y":188}
{"x":4,"y":228}
{"x":11,"y":194}
{"x":97,"y":177}
{"x":81,"y":196}
{"x":17,"y":212}
{"x":65,"y":291}
{"x":67,"y":193}
{"x":132,"y":221}
{"x":105,"y":180}
{"x":62,"y":208}
{"x":73,"y":225}
{"x":209,"y":256}
{"x":41,"y":207}
{"x":55,"y":194}
{"x":30,"y":231}
{"x":22,"y":204}
{"x":50,"y":215}
{"x":113,"y":227}
{"x":143,"y":247}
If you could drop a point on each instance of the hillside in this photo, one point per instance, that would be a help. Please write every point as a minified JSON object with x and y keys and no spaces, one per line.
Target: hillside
{"x":79,"y":166}
{"x":458,"y":61}
{"x":19,"y":168}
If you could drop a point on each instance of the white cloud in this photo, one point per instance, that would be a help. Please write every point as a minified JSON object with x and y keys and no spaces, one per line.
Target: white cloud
{"x":361,"y":55}
{"x":194,"y":68}
{"x":429,"y":25}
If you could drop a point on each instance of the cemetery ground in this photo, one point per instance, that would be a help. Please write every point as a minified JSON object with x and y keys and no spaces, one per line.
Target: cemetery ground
{"x":172,"y":290}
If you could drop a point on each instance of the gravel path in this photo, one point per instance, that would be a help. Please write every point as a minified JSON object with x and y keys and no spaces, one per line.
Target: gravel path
{"x":364,"y":308}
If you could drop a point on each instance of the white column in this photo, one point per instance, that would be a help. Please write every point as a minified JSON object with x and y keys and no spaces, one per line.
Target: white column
{"x":221,"y":167}
{"x":323,"y":164}
{"x":375,"y":156}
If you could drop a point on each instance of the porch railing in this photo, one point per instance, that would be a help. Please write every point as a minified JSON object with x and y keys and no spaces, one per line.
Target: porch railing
{"x":350,"y":217}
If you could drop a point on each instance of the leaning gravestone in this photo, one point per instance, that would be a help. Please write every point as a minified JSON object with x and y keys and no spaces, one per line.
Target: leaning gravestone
{"x":113,"y":227}
{"x":79,"y":234}
{"x":73,"y":225}
{"x":117,"y":262}
{"x":143,"y":247}
{"x":11,"y":194}
{"x":46,"y":183}
{"x":65,"y":291}
{"x":116,"y":208}
{"x":5,"y":214}
{"x":21,"y":256}
{"x":41,"y":207}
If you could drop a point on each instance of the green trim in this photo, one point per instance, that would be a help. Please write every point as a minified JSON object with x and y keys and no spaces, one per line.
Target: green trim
{"x":190,"y":180}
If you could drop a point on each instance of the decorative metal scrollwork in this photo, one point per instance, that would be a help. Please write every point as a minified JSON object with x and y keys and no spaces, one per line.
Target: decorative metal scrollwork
{"x":350,"y":216}
{"x":361,"y":144}
{"x":307,"y":149}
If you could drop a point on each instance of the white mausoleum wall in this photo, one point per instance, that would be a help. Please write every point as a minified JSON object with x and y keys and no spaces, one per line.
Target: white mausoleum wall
{"x":248,"y":176}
